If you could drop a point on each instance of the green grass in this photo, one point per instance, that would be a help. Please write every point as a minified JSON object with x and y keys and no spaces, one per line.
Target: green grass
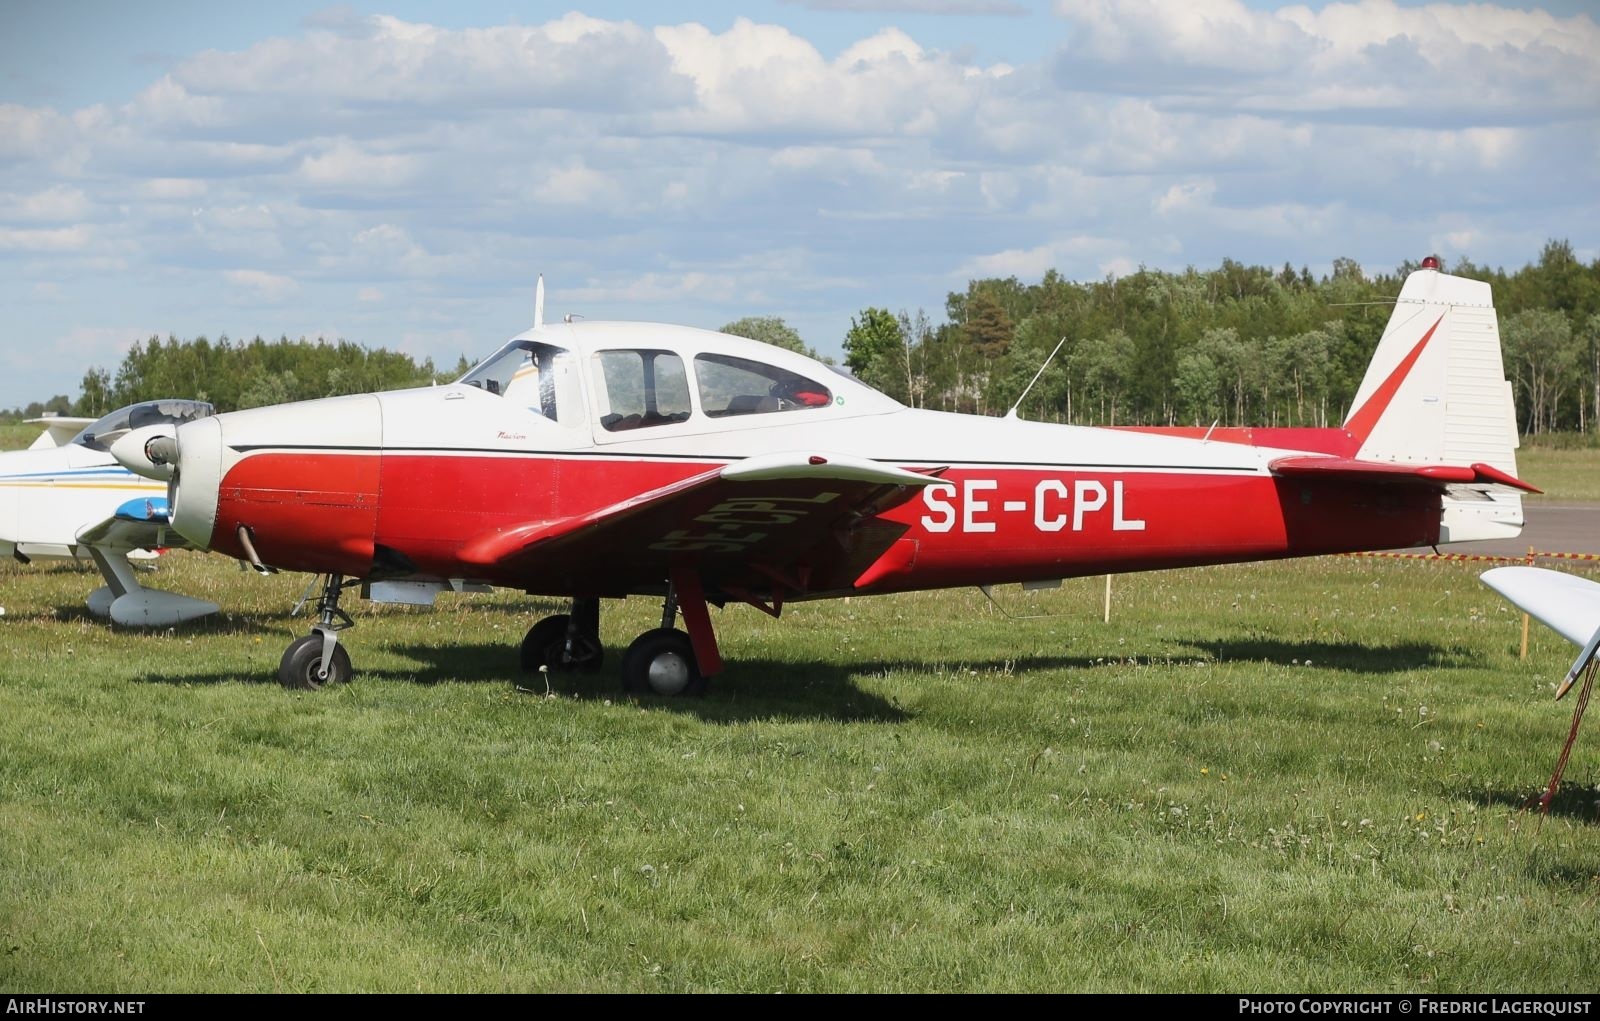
{"x":1564,"y":475}
{"x":1302,"y":776}
{"x":16,"y":436}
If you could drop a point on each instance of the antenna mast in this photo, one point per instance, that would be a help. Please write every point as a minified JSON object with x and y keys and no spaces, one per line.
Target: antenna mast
{"x":1013,"y":412}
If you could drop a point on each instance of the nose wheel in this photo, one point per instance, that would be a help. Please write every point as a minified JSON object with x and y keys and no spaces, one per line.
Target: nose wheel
{"x":317,"y":660}
{"x":301,"y":667}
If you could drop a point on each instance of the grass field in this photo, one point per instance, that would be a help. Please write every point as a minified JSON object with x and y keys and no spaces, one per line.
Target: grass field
{"x":1565,"y":475}
{"x":16,"y":436}
{"x":1302,"y":776}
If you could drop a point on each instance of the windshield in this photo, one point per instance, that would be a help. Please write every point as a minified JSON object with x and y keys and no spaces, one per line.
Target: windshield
{"x":525,"y":371}
{"x":106,"y":431}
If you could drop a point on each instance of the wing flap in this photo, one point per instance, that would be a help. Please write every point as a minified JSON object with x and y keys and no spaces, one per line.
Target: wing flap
{"x":1440,"y":475}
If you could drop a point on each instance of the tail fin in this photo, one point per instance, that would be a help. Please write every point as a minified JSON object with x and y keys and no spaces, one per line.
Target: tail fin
{"x":1436,"y":393}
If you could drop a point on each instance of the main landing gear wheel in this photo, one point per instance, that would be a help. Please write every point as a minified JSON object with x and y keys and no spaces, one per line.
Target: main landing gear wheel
{"x":302,"y":665}
{"x":662,"y":662}
{"x":547,"y":645}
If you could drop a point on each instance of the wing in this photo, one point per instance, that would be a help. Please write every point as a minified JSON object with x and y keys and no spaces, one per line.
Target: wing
{"x":1569,"y":605}
{"x":804,"y":521}
{"x":137,"y":524}
{"x":1440,"y":475}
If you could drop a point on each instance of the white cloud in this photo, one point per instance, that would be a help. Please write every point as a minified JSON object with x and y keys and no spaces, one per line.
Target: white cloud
{"x":1366,"y":62}
{"x":1219,"y":36}
{"x":764,"y":80}
{"x":174,"y":188}
{"x":54,"y":239}
{"x":261,"y":284}
{"x":1080,"y":252}
{"x":576,"y":184}
{"x":27,"y":133}
{"x":656,"y":287}
{"x":52,"y":205}
{"x":574,"y":62}
{"x":345,"y":165}
{"x":407,"y":180}
{"x":889,"y":44}
{"x":1120,"y":266}
{"x":1186,"y":195}
{"x":1006,"y":8}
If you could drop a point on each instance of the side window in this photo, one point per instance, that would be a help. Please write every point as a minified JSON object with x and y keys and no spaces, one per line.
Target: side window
{"x":640,"y":388}
{"x":738,"y":386}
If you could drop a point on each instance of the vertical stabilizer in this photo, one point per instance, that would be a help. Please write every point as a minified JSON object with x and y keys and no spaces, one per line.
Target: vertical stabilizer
{"x":1436,"y":390}
{"x":1436,"y":393}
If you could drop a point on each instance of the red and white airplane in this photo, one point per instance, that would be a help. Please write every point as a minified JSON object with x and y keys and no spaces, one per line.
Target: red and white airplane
{"x":592,"y":460}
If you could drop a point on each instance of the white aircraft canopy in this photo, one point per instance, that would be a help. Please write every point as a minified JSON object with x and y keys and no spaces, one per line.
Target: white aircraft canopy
{"x":105,"y":431}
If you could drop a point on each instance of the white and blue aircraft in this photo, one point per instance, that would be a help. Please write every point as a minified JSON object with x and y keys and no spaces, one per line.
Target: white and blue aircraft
{"x":66,"y":497}
{"x":1565,"y":603}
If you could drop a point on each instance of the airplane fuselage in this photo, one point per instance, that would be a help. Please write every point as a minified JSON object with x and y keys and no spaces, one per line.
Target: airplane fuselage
{"x":389,"y":473}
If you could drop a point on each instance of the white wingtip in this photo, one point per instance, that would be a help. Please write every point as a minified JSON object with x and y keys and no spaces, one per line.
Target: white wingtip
{"x":538,"y":303}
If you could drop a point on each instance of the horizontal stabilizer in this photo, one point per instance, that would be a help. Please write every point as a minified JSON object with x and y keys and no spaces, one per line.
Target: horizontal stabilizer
{"x":58,"y":430}
{"x":1440,"y":475}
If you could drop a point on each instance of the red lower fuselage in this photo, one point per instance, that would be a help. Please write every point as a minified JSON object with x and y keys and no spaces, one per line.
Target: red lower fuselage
{"x":342,"y":512}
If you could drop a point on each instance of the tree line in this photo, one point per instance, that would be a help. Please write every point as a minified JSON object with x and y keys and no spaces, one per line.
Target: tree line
{"x":1235,"y":345}
{"x":242,"y":374}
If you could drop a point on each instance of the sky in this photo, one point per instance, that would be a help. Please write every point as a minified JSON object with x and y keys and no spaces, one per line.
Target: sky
{"x":398,"y":174}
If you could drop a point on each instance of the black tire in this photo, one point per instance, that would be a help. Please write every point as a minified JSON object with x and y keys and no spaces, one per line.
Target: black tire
{"x":662,"y":662}
{"x":303,"y":659}
{"x":545,"y":645}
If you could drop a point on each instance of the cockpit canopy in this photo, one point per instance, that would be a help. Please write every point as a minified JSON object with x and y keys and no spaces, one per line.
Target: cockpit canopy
{"x":105,"y":431}
{"x":640,"y":376}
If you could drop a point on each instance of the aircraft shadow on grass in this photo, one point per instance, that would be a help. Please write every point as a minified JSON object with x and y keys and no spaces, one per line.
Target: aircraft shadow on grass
{"x":759,"y":689}
{"x":1351,"y":656}
{"x":766,"y":688}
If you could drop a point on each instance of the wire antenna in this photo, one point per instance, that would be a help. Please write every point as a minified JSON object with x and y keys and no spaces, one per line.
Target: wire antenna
{"x":1013,"y":412}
